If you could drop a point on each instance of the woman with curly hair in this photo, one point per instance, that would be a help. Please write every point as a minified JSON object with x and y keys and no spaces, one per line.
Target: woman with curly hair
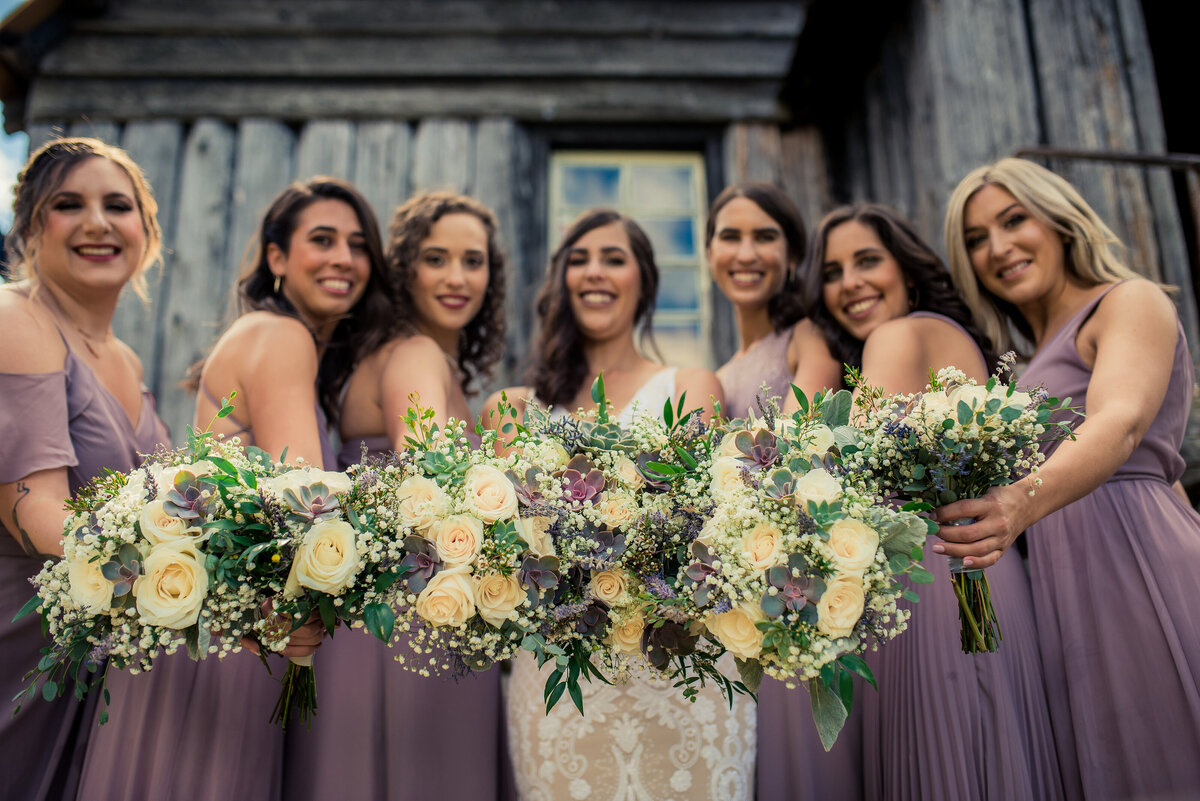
{"x":1114,"y":549}
{"x":447,"y":271}
{"x":943,"y":724}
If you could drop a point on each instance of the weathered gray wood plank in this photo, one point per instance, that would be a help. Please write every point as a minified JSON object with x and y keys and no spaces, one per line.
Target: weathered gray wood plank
{"x":200,"y":284}
{"x":383,"y":161}
{"x":805,"y":173}
{"x":444,"y":156}
{"x":370,"y":56}
{"x":326,"y":147}
{"x":107,"y":132}
{"x":752,"y":153}
{"x":263,"y":167}
{"x":233,"y":17}
{"x":665,"y":101}
{"x":156,"y":147}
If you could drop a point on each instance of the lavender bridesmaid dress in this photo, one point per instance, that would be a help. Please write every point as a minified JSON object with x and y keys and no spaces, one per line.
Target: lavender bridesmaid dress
{"x":1114,"y":584}
{"x":198,"y":731}
{"x":384,"y":733}
{"x":953,"y":726}
{"x":49,"y":420}
{"x":792,"y":763}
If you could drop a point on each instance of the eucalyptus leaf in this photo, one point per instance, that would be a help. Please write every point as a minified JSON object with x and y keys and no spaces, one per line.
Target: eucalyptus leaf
{"x":829,"y":713}
{"x":751,"y":673}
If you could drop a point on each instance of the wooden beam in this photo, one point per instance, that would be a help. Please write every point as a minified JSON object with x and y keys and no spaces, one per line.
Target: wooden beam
{"x":264,"y":164}
{"x":326,"y":148}
{"x":444,"y":156}
{"x":661,"y":102}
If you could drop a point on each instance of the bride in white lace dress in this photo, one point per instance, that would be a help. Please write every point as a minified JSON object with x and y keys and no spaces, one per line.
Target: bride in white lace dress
{"x":640,"y":741}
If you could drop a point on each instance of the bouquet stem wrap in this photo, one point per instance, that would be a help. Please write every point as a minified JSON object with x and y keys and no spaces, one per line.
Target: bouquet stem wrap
{"x":980,"y":629}
{"x":298,"y":693}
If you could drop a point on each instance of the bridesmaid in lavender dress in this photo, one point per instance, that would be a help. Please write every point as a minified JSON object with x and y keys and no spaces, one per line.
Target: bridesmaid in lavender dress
{"x":1114,"y":548}
{"x":448,"y":271}
{"x":73,"y":403}
{"x":312,"y":297}
{"x":754,"y":244}
{"x":944,"y":724}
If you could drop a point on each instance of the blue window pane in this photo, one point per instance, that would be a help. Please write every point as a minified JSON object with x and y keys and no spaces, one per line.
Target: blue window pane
{"x":590,"y":186}
{"x":677,"y":290}
{"x":661,"y":187}
{"x":671,"y":237}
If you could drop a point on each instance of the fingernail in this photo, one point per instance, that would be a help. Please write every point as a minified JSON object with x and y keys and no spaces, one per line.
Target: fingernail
{"x":968,"y":563}
{"x":939,"y":548}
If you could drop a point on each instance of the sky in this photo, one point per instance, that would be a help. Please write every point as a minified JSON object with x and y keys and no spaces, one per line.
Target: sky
{"x":13,"y":150}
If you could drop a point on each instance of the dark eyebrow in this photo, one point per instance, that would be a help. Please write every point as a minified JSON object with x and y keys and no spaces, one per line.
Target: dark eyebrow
{"x":1007,"y":209}
{"x":329,"y":229}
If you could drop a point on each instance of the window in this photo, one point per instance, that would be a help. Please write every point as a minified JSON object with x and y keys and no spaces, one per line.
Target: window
{"x":665,"y":193}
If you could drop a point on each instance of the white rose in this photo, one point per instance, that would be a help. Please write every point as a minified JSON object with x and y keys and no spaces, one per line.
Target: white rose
{"x":88,"y":586}
{"x":735,"y":630}
{"x":497,"y":596}
{"x":818,"y":441}
{"x":610,"y":586}
{"x":628,"y":474}
{"x":1018,"y":400}
{"x":536,"y":533}
{"x":728,"y":448}
{"x":159,"y":527}
{"x":854,"y":545}
{"x":626,"y":637}
{"x":458,"y":539}
{"x":726,"y":478}
{"x":448,"y":599}
{"x":618,"y":509}
{"x":934,"y":407}
{"x":973,"y":395}
{"x":490,"y":494}
{"x":762,"y":545}
{"x":326,"y":559}
{"x":709,"y":531}
{"x":420,"y":502}
{"x":816,"y":486}
{"x":841,"y":606}
{"x":172,"y":589}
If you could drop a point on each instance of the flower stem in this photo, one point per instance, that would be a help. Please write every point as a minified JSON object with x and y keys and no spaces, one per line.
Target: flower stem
{"x":298,"y":694}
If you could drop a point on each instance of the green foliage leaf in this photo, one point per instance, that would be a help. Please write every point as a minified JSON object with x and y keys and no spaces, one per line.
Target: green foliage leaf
{"x":50,"y":690}
{"x":380,"y":621}
{"x":751,"y":673}
{"x":32,"y":605}
{"x":964,"y":413}
{"x":829,"y":713}
{"x":856,"y":664}
{"x":835,"y":409}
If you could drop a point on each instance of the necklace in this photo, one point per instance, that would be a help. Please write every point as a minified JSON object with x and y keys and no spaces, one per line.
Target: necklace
{"x":59,"y":314}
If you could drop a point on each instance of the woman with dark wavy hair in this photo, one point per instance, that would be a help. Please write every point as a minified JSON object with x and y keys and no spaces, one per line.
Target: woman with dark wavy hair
{"x":943,"y":724}
{"x":640,"y":739}
{"x":447,"y":270}
{"x":312,"y":298}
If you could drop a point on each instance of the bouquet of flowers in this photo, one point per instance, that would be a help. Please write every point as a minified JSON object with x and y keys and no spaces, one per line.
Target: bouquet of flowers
{"x":625,"y":502}
{"x":473,"y":567}
{"x":795,"y":571}
{"x":956,"y":440}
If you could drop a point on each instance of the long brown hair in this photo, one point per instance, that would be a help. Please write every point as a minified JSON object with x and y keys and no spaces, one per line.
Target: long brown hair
{"x":482,"y":339}
{"x":560,"y":367}
{"x":928,"y":280}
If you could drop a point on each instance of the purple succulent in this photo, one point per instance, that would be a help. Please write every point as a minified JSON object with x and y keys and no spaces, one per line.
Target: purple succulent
{"x":423,"y":559}
{"x":663,"y":641}
{"x":698,"y":571}
{"x":797,"y":590}
{"x":527,"y":490}
{"x":123,"y":569}
{"x":759,"y":449}
{"x":312,"y":504}
{"x":538,"y":573}
{"x":187,"y":500}
{"x":655,"y":481}
{"x":594,"y":620}
{"x":609,"y":544}
{"x":583,"y":481}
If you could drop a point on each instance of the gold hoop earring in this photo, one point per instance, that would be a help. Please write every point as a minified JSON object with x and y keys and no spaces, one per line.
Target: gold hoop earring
{"x":914,"y":299}
{"x":278,"y":281}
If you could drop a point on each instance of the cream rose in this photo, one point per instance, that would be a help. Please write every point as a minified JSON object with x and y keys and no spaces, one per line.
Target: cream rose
{"x":735,"y":630}
{"x":490,"y":494}
{"x":816,"y":486}
{"x":728,"y":448}
{"x":326,"y":560}
{"x":420,"y":502}
{"x":818,"y":441}
{"x":159,"y":527}
{"x":458,"y":539}
{"x":1018,"y":400}
{"x":164,"y":475}
{"x":973,"y":395}
{"x":628,"y":473}
{"x":854,"y":545}
{"x":626,"y":637}
{"x":762,"y":545}
{"x":497,"y":596}
{"x":610,"y":586}
{"x":726,"y":477}
{"x":448,"y":599}
{"x":709,"y":531}
{"x":298,"y":479}
{"x":934,"y":407}
{"x":618,"y":509}
{"x":536,"y":533}
{"x":840,"y":606}
{"x":89,"y":588}
{"x":172,"y":589}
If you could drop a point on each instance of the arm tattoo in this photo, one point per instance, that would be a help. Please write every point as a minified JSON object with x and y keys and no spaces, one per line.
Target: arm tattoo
{"x":26,"y":540}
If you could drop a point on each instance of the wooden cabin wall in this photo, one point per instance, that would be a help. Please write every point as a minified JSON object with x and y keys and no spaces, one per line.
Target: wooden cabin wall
{"x":213,"y":180}
{"x":950,"y":94}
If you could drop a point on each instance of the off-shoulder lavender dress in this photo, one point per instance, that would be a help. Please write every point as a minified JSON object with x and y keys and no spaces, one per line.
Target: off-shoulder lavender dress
{"x":1114,"y":584}
{"x":48,"y":420}
{"x":382,"y":732}
{"x":192,"y":730}
{"x":953,"y":726}
{"x":792,"y":764}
